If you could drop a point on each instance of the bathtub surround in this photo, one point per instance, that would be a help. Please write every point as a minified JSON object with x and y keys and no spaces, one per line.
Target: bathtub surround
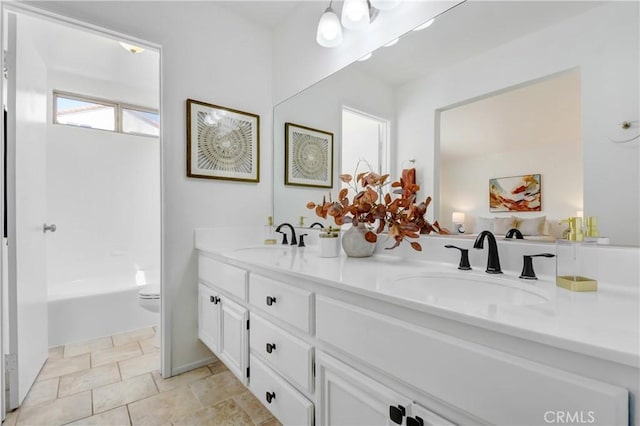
{"x":79,"y":385}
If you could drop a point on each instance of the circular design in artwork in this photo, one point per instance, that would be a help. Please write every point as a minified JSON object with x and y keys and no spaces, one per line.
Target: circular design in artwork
{"x":224,"y":144}
{"x":310,"y":157}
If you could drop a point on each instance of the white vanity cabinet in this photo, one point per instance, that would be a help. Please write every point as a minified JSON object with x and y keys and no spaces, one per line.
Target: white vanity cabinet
{"x":222,"y":323}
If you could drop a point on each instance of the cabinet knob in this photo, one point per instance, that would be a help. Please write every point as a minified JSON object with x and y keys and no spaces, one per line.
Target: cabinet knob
{"x":270,"y":300}
{"x":271,"y":347}
{"x":214,"y":299}
{"x":270,"y":396}
{"x":415,"y":421}
{"x":397,"y":413}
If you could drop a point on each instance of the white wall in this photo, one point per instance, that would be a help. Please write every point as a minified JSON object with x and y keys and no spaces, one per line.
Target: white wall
{"x":320,"y":107}
{"x":608,"y":58}
{"x":299,"y":62}
{"x":212,"y":55}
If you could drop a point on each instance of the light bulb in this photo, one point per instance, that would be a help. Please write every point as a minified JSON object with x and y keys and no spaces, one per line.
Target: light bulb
{"x":355,"y":14}
{"x":329,"y":29}
{"x":384,"y":4}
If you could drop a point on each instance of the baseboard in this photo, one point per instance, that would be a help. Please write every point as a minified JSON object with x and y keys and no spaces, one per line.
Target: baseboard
{"x":192,"y":366}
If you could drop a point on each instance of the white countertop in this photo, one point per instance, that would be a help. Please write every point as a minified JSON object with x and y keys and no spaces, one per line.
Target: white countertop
{"x":603,"y":324}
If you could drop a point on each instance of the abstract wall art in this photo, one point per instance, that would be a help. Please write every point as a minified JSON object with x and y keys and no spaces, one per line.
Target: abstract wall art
{"x":515,"y":194}
{"x":308,"y":156}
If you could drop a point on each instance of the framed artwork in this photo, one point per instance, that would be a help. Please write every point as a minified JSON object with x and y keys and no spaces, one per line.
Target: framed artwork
{"x":515,"y":194}
{"x":222,"y":143}
{"x":308,"y":156}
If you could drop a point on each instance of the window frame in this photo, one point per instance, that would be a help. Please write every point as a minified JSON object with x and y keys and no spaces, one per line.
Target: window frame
{"x":118,"y":111}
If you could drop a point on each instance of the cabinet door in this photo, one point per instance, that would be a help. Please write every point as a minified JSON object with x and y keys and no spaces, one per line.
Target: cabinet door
{"x":234,"y":338}
{"x":348,"y":397}
{"x":422,"y":416}
{"x":209,"y":317}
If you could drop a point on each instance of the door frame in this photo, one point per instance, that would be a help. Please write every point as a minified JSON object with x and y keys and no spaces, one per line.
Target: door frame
{"x":165,"y":319}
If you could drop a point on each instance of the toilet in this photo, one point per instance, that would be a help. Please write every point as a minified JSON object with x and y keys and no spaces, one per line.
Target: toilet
{"x":149,"y":299}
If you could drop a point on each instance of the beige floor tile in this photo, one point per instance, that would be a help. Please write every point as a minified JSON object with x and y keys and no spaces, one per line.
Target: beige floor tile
{"x":74,"y":349}
{"x":271,"y":422}
{"x":216,"y":388}
{"x":116,"y":417}
{"x":217,"y":367}
{"x":180,"y":380}
{"x":164,"y":408}
{"x":88,"y":379}
{"x":117,"y":353}
{"x":57,"y":412}
{"x":11,"y":418}
{"x":147,"y":345}
{"x":225,"y":413}
{"x":253,"y":407}
{"x":139,"y":365}
{"x":56,"y":352}
{"x":42,"y":391}
{"x":61,"y":366}
{"x":133,"y":336}
{"x":121,"y":393}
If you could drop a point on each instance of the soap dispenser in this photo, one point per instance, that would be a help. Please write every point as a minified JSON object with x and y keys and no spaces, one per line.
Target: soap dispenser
{"x":269,"y":232}
{"x":574,"y":232}
{"x":576,"y":259}
{"x":330,"y":242}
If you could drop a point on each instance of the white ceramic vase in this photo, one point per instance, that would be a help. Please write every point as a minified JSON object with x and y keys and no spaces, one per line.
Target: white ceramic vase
{"x":354,"y":243}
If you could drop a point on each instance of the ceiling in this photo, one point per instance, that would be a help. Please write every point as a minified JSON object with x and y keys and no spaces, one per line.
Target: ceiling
{"x":265,"y":13}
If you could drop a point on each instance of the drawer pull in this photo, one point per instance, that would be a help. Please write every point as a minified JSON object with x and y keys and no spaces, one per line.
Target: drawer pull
{"x":214,"y":299}
{"x":415,"y":421}
{"x":397,"y":413}
{"x":271,"y":347}
{"x":270,"y":396}
{"x":270,"y":300}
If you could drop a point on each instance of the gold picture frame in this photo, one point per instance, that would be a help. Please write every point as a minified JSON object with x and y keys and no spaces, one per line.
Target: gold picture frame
{"x":222,"y":143}
{"x":308,"y":156}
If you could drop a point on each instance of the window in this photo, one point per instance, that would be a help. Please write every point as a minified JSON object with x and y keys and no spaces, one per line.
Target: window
{"x":83,"y":111}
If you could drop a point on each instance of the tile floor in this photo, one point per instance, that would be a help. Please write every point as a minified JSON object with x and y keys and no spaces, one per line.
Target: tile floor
{"x":115,"y":381}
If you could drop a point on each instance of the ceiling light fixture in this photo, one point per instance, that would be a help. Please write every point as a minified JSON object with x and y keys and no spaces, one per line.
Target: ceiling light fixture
{"x":365,"y":57}
{"x":392,"y":43}
{"x":355,"y":14}
{"x":131,"y":48}
{"x":329,"y":29}
{"x":425,"y":25}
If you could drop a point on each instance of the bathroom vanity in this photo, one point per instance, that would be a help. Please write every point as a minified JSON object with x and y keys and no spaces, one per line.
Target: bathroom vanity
{"x":406,"y":338}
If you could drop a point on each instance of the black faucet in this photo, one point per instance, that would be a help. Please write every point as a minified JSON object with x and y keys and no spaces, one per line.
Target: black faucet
{"x":527,"y":265}
{"x":514,"y":232}
{"x":317,"y":223}
{"x":294,"y":240}
{"x":493,"y":261}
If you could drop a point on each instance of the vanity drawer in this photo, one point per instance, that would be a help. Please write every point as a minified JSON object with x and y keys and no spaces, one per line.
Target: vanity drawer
{"x":290,"y":356}
{"x":229,"y":278}
{"x":492,"y":385}
{"x":283,"y":301}
{"x":288,"y":405}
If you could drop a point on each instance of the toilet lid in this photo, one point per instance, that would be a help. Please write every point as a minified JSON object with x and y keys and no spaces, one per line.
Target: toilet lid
{"x":151,"y":291}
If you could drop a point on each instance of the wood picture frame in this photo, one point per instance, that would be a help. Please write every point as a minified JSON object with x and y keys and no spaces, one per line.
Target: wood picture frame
{"x":308,"y":156}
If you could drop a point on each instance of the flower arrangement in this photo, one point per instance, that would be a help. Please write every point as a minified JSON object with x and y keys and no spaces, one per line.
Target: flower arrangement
{"x":399,"y":215}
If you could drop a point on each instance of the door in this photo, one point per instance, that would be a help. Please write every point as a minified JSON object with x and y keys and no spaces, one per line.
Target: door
{"x":26,"y":211}
{"x":348,"y":397}
{"x":209,"y":318}
{"x":234,"y":339}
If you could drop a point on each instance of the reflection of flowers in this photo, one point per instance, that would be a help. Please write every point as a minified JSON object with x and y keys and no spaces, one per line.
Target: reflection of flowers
{"x":401,"y":216}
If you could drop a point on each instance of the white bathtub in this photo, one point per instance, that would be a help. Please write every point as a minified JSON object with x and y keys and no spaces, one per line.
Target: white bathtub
{"x":88,"y":308}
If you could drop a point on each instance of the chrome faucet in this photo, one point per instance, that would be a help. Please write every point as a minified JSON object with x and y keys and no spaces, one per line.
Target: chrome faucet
{"x":294,"y":240}
{"x":493,"y":261}
{"x":514,"y":232}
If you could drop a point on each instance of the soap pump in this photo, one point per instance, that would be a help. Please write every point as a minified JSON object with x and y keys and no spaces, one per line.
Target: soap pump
{"x":574,"y":232}
{"x":269,"y":233}
{"x":330,"y":242}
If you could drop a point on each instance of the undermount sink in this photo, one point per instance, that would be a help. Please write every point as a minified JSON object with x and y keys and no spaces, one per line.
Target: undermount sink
{"x":453,"y":290}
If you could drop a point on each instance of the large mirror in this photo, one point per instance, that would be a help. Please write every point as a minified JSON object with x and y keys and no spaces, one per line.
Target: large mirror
{"x":491,"y":90}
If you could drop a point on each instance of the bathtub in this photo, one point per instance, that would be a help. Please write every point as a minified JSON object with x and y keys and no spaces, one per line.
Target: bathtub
{"x":88,"y":308}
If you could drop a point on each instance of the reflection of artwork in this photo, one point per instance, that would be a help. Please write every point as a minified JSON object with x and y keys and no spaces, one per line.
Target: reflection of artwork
{"x":222,"y":143}
{"x":308,"y":156}
{"x":515,"y":194}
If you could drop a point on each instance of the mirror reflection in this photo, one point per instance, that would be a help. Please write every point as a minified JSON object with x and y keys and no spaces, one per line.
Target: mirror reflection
{"x":512,"y":88}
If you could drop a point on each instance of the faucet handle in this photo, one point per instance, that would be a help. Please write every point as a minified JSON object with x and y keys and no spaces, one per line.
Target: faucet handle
{"x":285,"y":241}
{"x":464,"y":257}
{"x":301,"y":242}
{"x":527,"y":267}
